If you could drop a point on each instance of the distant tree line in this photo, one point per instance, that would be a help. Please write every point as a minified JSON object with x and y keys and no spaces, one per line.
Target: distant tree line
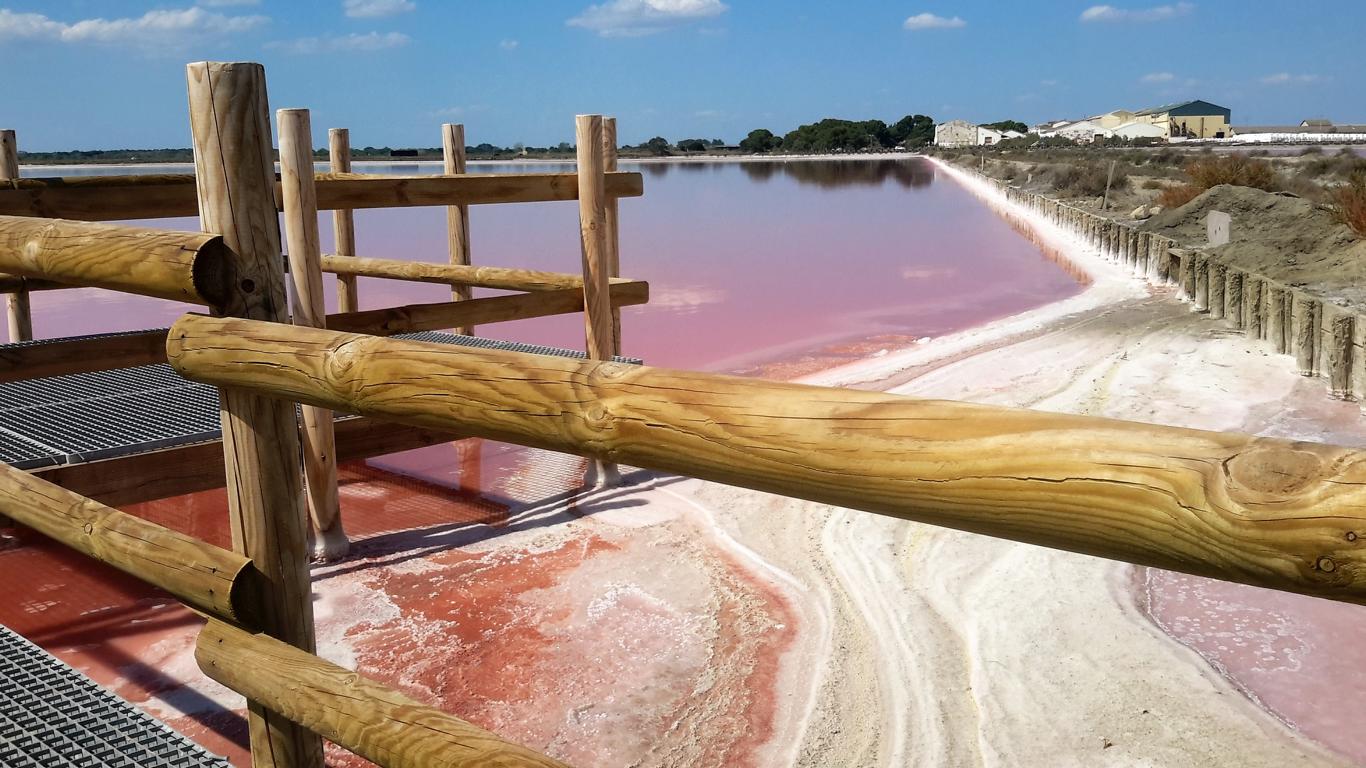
{"x":829,"y":135}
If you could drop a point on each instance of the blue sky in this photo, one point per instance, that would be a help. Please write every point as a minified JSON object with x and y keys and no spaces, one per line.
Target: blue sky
{"x":109,"y":74}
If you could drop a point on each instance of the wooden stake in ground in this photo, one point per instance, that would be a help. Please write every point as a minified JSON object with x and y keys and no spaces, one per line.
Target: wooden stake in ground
{"x":343,"y":220}
{"x":597,"y":304}
{"x":301,"y":232}
{"x":1109,"y":177}
{"x":235,"y":176}
{"x":17,"y":308}
{"x":457,"y":216}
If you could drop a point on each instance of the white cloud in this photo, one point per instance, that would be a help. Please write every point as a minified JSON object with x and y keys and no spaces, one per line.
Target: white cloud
{"x":1048,"y":83}
{"x":355,"y":43}
{"x":508,"y":45}
{"x":174,"y":29}
{"x":1284,"y":78}
{"x":1157,"y":77}
{"x":930,"y":21}
{"x":374,"y":9}
{"x":1156,"y":13}
{"x":633,"y":18}
{"x":225,"y":3}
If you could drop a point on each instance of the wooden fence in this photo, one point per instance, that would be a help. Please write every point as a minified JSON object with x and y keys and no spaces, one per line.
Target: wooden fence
{"x":1261,"y":511}
{"x":1325,"y":339}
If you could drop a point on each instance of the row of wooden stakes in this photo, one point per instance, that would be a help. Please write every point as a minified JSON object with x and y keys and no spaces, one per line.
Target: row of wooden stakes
{"x":1324,"y":338}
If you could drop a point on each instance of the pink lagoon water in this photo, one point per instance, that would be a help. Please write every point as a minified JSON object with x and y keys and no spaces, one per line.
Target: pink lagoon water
{"x":749,"y":264}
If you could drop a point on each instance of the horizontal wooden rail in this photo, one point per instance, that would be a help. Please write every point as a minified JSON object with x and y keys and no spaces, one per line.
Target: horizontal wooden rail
{"x":181,"y":266}
{"x":82,"y":354}
{"x":114,"y":198}
{"x":206,"y":577}
{"x":355,"y":712}
{"x":501,"y":278}
{"x":356,"y":191}
{"x":198,"y":467}
{"x":100,"y":353}
{"x":1261,"y":511}
{"x":17,"y":283}
{"x":413,"y":318}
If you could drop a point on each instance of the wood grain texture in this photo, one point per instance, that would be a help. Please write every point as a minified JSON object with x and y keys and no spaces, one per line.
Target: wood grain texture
{"x":457,"y":216}
{"x":343,"y":220}
{"x":307,"y":305}
{"x":81,"y":355}
{"x":1260,"y":511}
{"x":230,"y":124}
{"x":360,"y":714}
{"x":18,"y":311}
{"x":413,"y":318}
{"x":213,"y":580}
{"x":502,"y":278}
{"x":611,"y":222}
{"x":593,"y":236}
{"x":118,"y":198}
{"x":199,"y":467}
{"x":180,"y":266}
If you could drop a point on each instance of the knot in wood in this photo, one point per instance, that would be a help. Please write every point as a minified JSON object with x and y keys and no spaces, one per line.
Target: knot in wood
{"x":1273,"y":470}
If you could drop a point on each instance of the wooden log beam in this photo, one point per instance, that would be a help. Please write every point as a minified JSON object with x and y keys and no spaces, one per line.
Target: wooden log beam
{"x":181,"y":266}
{"x":457,"y":216}
{"x":80,"y":355}
{"x":414,"y":318}
{"x":116,"y":198}
{"x":15,"y":283}
{"x":213,"y":580}
{"x":343,"y":220}
{"x":1261,"y":511}
{"x":612,"y":222}
{"x":597,"y":268}
{"x":18,"y":308}
{"x":329,"y":542}
{"x":230,"y":124}
{"x":502,"y":278}
{"x":355,"y":712}
{"x":184,"y":469}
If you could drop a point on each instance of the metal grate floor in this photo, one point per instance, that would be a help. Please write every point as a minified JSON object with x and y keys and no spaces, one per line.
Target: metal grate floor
{"x":90,"y":416}
{"x":52,"y":716}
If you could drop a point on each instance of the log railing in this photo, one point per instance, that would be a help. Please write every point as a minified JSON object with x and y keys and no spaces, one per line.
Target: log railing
{"x":362,"y":715}
{"x":115,"y":198}
{"x":1259,"y":511}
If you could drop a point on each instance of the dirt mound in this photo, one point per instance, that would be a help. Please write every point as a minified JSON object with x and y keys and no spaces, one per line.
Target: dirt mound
{"x":1283,"y":237}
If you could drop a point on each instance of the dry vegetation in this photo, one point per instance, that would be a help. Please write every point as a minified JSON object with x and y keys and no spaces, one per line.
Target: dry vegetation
{"x":1171,"y":177}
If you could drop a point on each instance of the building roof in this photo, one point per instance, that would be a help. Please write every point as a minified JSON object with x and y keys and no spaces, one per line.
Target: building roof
{"x":1192,"y":107}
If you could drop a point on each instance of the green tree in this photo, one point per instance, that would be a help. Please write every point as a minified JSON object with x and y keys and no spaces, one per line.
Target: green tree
{"x":658,"y":146}
{"x":1008,"y":125}
{"x":692,"y":145}
{"x":760,"y":140}
{"x":912,"y":131}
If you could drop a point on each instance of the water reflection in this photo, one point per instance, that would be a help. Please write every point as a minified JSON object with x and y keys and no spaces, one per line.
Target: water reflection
{"x":837,"y":174}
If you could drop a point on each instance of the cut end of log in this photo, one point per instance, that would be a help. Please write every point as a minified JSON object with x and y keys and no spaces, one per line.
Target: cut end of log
{"x":215,"y":274}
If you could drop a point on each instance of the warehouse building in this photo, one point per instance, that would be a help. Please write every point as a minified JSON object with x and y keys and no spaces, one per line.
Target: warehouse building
{"x":1189,"y":119}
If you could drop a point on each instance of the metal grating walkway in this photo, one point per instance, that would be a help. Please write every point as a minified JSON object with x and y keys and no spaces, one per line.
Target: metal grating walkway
{"x":52,"y":716}
{"x":90,"y":416}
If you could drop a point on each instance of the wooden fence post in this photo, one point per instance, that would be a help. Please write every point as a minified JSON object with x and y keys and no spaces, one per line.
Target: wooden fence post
{"x":235,"y":176}
{"x":457,"y":216}
{"x":597,"y":307}
{"x":612,"y":222}
{"x":300,"y":201}
{"x":343,"y":220}
{"x":17,"y":307}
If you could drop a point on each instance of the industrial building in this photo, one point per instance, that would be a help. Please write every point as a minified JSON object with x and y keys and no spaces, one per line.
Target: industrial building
{"x":1189,"y":119}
